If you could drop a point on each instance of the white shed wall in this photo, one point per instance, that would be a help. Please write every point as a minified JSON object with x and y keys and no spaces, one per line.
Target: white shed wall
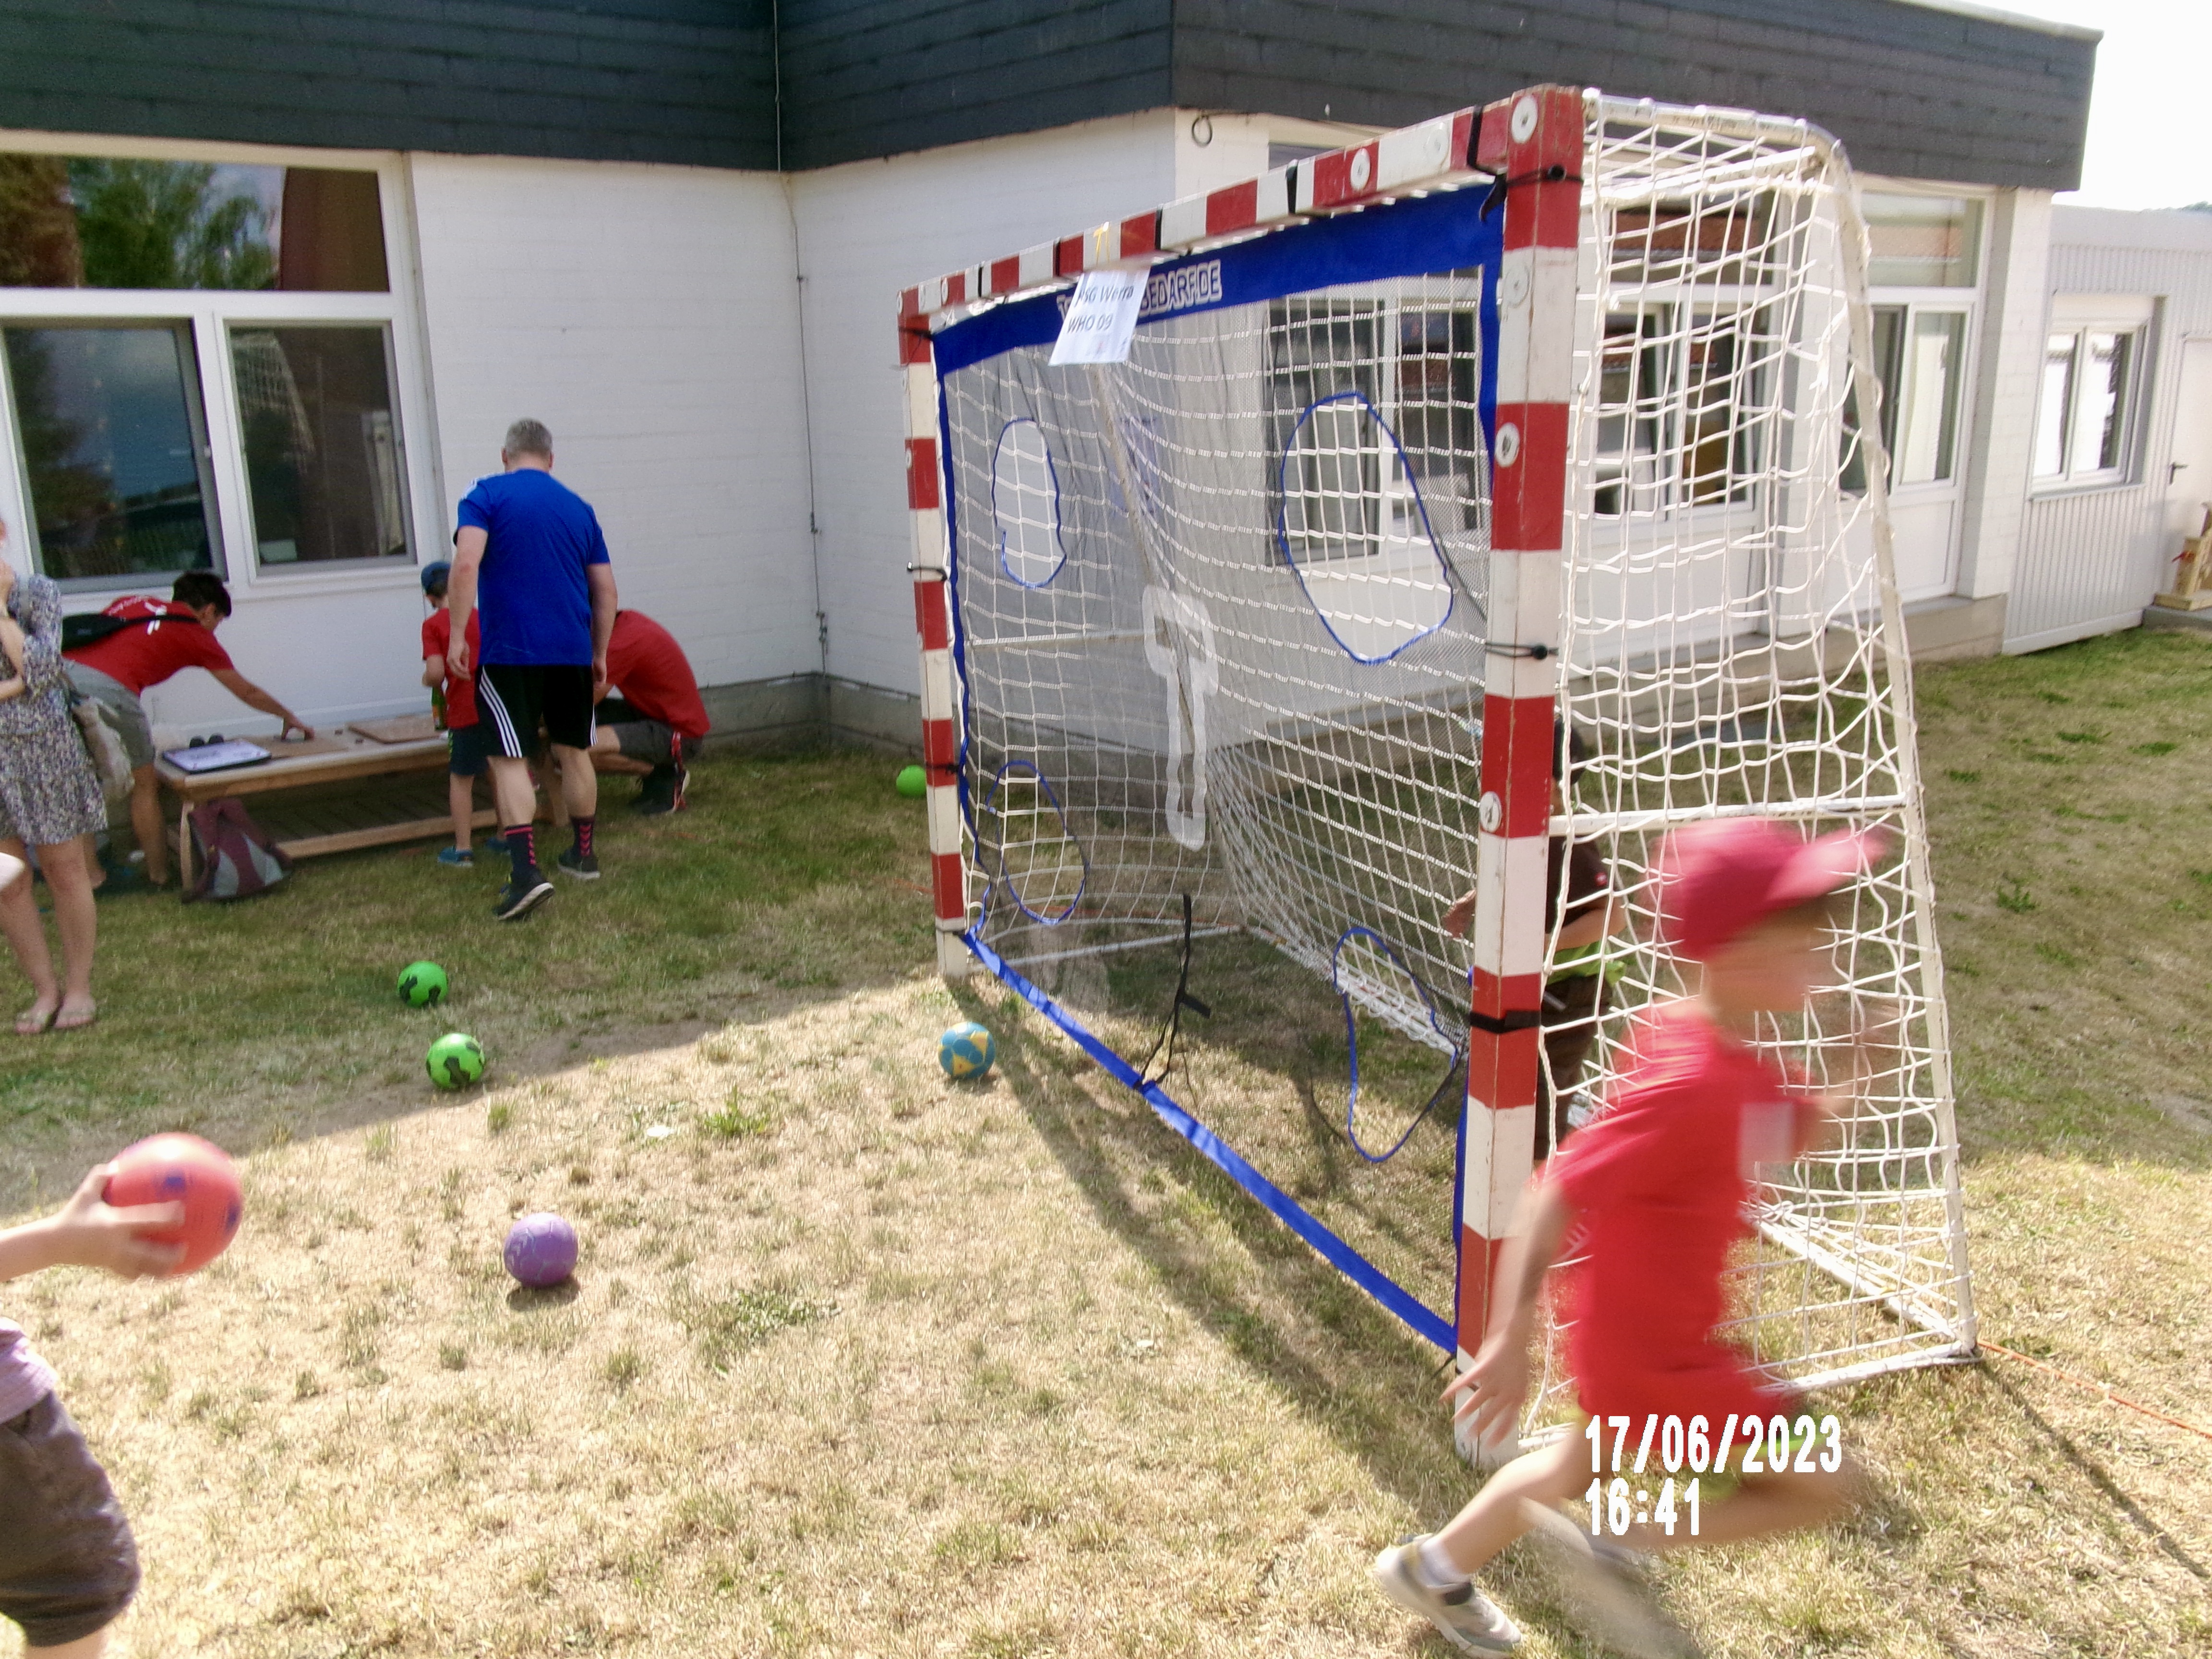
{"x":2090,"y":559}
{"x":648,"y":315}
{"x":871,"y":229}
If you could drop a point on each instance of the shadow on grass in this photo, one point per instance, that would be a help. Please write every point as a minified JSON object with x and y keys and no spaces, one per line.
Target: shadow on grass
{"x":277,"y":1018}
{"x":1280,"y":1309}
{"x":2095,"y":1473}
{"x":531,"y":1298}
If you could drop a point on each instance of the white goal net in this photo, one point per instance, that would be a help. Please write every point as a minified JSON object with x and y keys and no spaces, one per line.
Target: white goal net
{"x":1222,"y":627}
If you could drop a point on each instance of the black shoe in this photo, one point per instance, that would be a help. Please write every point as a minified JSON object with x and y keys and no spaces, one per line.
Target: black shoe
{"x":660,"y":791}
{"x":519,"y":898}
{"x":585,"y":867}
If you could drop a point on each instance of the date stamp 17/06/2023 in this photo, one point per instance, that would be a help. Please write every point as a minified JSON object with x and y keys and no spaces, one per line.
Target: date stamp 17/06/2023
{"x":1668,"y":1447}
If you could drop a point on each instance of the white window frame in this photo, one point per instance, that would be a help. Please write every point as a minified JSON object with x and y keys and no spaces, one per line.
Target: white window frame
{"x":2081,"y":315}
{"x":212,"y":314}
{"x":1740,"y":306}
{"x":1401,"y":539}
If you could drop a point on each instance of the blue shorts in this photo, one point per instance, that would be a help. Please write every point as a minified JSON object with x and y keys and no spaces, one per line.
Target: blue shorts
{"x":469,"y":750}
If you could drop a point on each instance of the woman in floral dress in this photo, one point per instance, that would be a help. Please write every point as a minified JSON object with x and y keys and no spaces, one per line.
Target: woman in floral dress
{"x":49,"y":798}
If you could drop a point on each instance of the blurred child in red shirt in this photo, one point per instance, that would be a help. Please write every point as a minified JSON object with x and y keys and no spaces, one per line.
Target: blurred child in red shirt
{"x":468,"y":753}
{"x":1655,"y":1194}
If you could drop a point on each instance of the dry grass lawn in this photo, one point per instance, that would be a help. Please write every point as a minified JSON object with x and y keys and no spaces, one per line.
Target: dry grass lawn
{"x":859,"y":1361}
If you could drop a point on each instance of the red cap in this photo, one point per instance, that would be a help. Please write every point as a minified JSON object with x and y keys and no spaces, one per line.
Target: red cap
{"x":1721,"y":876}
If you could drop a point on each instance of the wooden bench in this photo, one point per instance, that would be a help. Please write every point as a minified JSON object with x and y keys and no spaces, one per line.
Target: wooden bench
{"x":333,"y":820}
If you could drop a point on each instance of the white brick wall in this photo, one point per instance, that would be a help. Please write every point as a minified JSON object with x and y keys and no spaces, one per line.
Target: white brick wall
{"x":871,"y":228}
{"x":648,"y":315}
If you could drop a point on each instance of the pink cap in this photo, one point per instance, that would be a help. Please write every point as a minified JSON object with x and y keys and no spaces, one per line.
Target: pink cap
{"x":1721,"y":876}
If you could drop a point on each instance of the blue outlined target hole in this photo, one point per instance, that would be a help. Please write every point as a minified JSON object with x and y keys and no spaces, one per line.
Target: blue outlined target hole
{"x":1352,"y":525}
{"x":1025,"y":505}
{"x":1040,"y":863}
{"x":1401,"y":1068}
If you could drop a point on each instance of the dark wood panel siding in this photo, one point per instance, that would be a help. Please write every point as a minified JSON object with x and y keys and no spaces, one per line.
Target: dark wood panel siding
{"x":1911,"y":90}
{"x":689,"y":81}
{"x":873,"y":77}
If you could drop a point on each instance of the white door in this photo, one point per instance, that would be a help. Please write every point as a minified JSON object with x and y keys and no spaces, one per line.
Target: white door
{"x":2189,"y":466}
{"x":1922,"y":355}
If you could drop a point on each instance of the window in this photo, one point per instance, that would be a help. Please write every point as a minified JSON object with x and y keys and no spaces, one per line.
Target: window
{"x":111,"y":223}
{"x":1683,"y":400}
{"x":2084,"y":415}
{"x":115,"y":452}
{"x":1922,"y":241}
{"x":322,"y":447}
{"x":1919,"y":362}
{"x":203,"y":367}
{"x":1372,"y":407}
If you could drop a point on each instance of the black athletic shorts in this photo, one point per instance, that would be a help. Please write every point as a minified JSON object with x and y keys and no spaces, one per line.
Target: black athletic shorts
{"x":469,"y":750}
{"x":68,"y":1566}
{"x":516,"y":700}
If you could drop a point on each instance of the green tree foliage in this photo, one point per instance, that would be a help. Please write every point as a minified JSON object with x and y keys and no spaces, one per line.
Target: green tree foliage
{"x":37,"y":227}
{"x":163,"y":224}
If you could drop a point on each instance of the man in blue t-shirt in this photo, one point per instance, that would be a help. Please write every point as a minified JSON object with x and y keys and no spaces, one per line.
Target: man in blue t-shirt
{"x":547,"y":595}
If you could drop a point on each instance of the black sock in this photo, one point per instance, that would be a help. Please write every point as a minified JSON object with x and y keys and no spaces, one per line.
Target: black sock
{"x":583,"y":828}
{"x":522,"y":848}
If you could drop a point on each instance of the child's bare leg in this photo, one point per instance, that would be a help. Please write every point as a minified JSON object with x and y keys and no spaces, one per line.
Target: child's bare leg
{"x":1763,"y":1504}
{"x":1495,"y":1517}
{"x":461,"y":801}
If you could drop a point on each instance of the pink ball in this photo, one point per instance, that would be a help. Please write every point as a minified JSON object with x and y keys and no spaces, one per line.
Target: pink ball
{"x":541,"y":1249}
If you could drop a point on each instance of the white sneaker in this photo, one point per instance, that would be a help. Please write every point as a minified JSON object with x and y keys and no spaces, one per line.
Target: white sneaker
{"x":1468,"y":1619}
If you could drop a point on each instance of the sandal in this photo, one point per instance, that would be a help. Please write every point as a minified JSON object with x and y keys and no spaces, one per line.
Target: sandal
{"x":35,"y":1021}
{"x":74,"y":1019}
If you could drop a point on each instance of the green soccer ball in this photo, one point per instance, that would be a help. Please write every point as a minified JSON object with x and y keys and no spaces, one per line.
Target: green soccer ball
{"x":912,"y":782}
{"x":421,"y":985}
{"x":455,"y":1060}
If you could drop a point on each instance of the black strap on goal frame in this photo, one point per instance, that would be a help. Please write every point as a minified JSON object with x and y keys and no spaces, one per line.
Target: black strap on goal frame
{"x":1163,"y":1049}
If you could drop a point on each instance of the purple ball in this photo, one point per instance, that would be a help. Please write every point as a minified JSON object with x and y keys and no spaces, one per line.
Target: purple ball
{"x":541,"y":1249}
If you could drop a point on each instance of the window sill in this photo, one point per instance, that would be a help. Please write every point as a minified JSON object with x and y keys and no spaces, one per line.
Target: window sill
{"x":2099,"y":484}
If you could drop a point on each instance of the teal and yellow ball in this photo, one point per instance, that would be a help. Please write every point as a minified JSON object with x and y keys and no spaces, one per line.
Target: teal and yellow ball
{"x":966,"y":1051}
{"x":422,"y":984}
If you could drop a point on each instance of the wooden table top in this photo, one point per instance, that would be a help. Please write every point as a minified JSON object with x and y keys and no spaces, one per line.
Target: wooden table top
{"x":331,"y":757}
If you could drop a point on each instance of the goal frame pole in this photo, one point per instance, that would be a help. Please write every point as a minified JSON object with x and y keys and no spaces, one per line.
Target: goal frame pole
{"x":931,"y":567}
{"x":1534,"y":142}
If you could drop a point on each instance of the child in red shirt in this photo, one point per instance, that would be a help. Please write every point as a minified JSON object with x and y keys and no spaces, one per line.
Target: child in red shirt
{"x":468,"y":754}
{"x":1655,"y":1192}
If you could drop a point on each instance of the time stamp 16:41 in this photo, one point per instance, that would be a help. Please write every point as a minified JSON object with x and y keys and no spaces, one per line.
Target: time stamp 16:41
{"x":1765,"y":1445}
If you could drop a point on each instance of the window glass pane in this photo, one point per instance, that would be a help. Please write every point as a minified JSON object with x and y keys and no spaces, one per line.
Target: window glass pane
{"x":1889,"y":360}
{"x":2101,"y":416}
{"x":1635,"y":381}
{"x":87,"y":221}
{"x":2056,"y":408}
{"x":1933,"y":349}
{"x":1922,"y":241}
{"x":114,"y":446}
{"x":322,"y":444}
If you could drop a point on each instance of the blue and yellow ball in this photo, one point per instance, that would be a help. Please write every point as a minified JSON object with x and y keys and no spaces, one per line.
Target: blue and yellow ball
{"x":966,"y":1050}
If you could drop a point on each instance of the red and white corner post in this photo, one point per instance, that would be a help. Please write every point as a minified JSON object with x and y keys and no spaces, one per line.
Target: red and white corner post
{"x":1534,"y":140}
{"x":932,"y":565}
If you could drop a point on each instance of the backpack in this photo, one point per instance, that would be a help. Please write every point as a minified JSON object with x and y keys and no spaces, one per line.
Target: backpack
{"x":237,"y":858}
{"x":133,"y":610}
